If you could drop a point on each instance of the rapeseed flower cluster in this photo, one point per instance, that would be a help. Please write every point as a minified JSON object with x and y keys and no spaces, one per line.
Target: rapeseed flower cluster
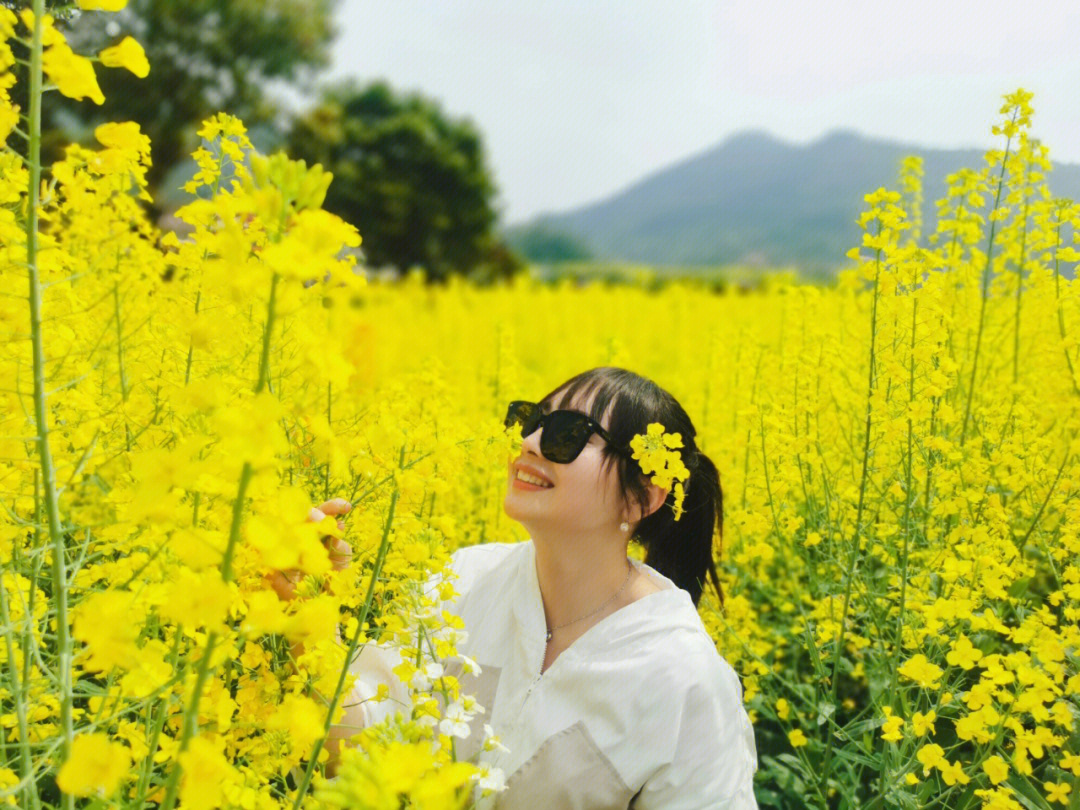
{"x":898,"y":457}
{"x":172,"y":406}
{"x":657,"y":453}
{"x":908,"y":471}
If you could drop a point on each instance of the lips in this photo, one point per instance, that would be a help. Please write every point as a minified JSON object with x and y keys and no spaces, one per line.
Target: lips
{"x":525,"y":468}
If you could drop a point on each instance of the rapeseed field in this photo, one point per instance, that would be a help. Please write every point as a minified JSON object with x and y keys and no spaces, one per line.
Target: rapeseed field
{"x":898,"y":455}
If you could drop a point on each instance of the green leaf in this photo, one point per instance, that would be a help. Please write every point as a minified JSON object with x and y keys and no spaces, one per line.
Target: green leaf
{"x":825,"y":711}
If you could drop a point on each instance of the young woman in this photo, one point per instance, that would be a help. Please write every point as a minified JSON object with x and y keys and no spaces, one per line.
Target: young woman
{"x":597,"y":672}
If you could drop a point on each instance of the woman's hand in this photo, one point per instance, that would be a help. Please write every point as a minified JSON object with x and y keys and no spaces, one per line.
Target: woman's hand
{"x":284,"y":582}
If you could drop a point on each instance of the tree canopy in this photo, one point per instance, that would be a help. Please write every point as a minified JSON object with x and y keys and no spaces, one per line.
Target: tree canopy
{"x":414,"y":181}
{"x":205,"y":56}
{"x":544,"y":242}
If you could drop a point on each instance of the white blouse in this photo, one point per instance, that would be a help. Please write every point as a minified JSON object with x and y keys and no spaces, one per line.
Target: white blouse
{"x":640,"y":711}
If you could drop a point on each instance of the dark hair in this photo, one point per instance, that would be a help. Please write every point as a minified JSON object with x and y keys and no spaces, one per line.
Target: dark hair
{"x":682,"y":551}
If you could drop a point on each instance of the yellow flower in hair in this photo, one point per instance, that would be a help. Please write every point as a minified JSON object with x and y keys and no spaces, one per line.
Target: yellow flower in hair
{"x":656,"y":452}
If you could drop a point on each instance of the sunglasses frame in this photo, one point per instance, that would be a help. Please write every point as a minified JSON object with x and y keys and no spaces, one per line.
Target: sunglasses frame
{"x":584,"y":419}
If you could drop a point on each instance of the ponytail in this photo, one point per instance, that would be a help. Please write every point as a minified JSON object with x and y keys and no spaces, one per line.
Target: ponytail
{"x":683,"y":551}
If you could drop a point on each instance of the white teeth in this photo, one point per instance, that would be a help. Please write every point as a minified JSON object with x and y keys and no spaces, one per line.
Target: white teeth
{"x":532,"y":479}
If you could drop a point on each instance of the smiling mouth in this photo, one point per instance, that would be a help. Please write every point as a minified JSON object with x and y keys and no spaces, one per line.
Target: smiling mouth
{"x":532,"y":479}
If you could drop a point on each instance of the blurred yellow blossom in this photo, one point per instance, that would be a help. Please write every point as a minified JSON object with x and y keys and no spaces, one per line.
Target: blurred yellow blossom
{"x":129,"y":54}
{"x":94,"y":767}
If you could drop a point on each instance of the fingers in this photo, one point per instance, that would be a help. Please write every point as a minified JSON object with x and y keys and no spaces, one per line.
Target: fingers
{"x":340,"y":553}
{"x":336,"y":506}
{"x":284,"y":583}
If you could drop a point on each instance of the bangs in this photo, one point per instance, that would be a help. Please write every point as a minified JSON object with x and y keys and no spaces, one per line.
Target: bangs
{"x":618,"y":389}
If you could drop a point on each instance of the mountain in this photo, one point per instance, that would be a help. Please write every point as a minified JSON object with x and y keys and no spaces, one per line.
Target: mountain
{"x":756,"y":199}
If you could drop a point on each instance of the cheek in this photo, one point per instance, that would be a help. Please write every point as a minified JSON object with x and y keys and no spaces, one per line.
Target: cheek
{"x":598,"y":485}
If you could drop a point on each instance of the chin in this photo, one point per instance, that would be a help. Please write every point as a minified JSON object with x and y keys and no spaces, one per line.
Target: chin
{"x":507,"y":505}
{"x":514,"y":511}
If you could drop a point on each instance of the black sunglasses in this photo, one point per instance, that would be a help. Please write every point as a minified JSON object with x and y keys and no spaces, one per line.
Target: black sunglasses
{"x":565,"y":433}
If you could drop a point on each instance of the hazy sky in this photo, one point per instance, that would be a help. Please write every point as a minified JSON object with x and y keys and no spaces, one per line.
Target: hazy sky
{"x":577,"y":99}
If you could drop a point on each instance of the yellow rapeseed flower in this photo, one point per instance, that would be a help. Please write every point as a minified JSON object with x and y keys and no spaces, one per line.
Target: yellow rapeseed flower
{"x":94,"y":767}
{"x":923,"y":723}
{"x":890,"y":729}
{"x":1070,"y":762}
{"x":931,"y":756}
{"x":206,"y":773}
{"x":72,"y":74}
{"x":125,"y":136}
{"x":8,"y":779}
{"x":919,"y":669}
{"x":952,"y":773}
{"x":1057,"y":791}
{"x":797,"y":738}
{"x":995,"y":768}
{"x":963,"y":653}
{"x":102,"y":5}
{"x":129,"y":54}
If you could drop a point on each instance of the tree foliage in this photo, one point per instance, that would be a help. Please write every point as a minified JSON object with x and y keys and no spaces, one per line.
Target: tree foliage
{"x":205,"y":56}
{"x":414,"y":181}
{"x":544,"y":242}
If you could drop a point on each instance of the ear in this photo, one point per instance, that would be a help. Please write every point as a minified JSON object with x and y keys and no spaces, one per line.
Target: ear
{"x":656,"y":498}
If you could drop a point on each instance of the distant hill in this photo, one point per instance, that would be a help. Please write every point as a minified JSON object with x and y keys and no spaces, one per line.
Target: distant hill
{"x":755,"y":199}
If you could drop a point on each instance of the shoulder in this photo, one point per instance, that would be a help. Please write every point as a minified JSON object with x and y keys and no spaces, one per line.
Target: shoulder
{"x":691,"y":668}
{"x":471,"y":563}
{"x":484,"y":556}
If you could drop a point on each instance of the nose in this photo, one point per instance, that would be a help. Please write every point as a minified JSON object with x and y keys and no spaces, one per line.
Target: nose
{"x":531,"y":443}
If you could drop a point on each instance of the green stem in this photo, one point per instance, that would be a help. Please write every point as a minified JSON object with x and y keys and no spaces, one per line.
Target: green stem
{"x":1019,"y":291}
{"x":1060,"y":308}
{"x":191,"y":348}
{"x":41,"y":415}
{"x":854,"y":552}
{"x":365,"y":611}
{"x":907,"y":519}
{"x":264,"y":361}
{"x":155,"y":732}
{"x":985,"y":291}
{"x":329,"y":422}
{"x":119,"y":341}
{"x":191,"y":713}
{"x":15,"y":689}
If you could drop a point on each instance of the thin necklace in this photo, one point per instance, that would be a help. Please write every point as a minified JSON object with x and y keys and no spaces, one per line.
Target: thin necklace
{"x":587,"y":615}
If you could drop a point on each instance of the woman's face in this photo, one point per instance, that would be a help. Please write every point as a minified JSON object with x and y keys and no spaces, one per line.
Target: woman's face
{"x":582,"y":498}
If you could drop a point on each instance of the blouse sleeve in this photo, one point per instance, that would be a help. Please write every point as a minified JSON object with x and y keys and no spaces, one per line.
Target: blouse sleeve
{"x":715,"y":756}
{"x":374,"y":665}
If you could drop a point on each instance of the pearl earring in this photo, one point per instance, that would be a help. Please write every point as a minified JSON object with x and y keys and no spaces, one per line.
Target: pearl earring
{"x":624,"y":526}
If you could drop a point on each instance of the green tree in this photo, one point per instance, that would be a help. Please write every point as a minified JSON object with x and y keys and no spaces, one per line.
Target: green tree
{"x":545,"y":242}
{"x":205,"y":56}
{"x":413,"y":181}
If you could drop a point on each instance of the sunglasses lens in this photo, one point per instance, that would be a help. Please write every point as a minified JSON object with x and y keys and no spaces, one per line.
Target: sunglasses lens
{"x":526,"y":414}
{"x":564,"y":436}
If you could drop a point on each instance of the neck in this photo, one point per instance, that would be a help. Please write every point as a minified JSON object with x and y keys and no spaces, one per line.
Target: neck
{"x":578,"y":574}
